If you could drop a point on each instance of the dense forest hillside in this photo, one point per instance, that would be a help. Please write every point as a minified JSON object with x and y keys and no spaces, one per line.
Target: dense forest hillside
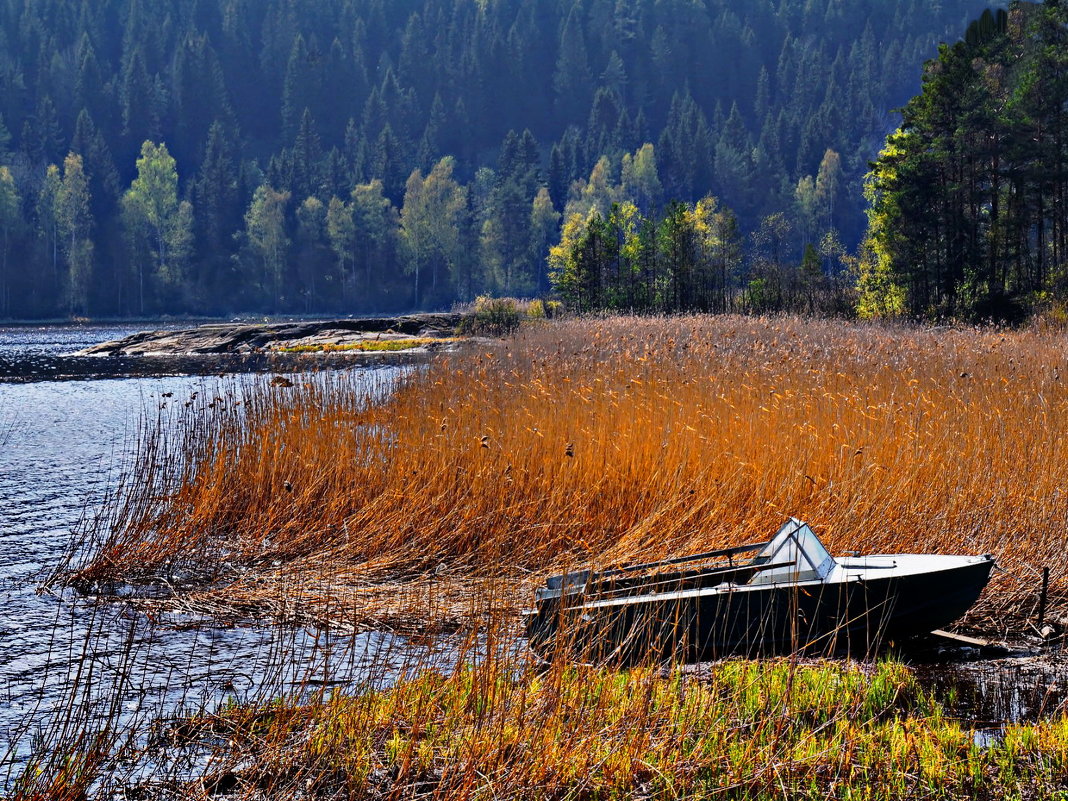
{"x":355,"y":155}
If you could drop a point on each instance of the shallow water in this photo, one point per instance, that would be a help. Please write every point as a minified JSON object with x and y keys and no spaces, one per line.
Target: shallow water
{"x":63,"y":444}
{"x":988,"y":695}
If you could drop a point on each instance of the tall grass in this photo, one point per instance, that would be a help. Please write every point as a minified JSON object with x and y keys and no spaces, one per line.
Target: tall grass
{"x":605,"y":441}
{"x":435,"y":500}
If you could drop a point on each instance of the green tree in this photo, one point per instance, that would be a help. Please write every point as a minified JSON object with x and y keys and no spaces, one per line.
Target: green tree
{"x":806,"y":202}
{"x":641,"y":179}
{"x":577,"y":262}
{"x":719,"y":252}
{"x":505,"y":238}
{"x":10,"y":225}
{"x":679,"y":251}
{"x":313,"y":253}
{"x":377,"y":224}
{"x":432,"y":221}
{"x":768,"y":287}
{"x":598,"y":193}
{"x":75,"y":222}
{"x":47,"y":212}
{"x":828,"y":187}
{"x":158,"y":225}
{"x":544,"y":224}
{"x":265,"y":234}
{"x":341,"y":232}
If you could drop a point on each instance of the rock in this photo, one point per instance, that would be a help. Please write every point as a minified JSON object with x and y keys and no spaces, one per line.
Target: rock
{"x":245,"y":338}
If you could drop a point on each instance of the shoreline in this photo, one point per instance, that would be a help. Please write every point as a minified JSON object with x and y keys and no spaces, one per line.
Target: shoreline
{"x":245,"y":338}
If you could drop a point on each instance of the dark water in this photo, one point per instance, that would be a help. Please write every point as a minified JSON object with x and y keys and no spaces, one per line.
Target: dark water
{"x":992,"y":693}
{"x":62,"y":445}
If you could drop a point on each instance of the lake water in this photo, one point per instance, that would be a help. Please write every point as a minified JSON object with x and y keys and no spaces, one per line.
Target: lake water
{"x":63,"y":444}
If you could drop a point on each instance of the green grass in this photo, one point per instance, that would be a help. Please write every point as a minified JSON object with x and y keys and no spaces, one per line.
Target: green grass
{"x":368,"y":345}
{"x":751,"y":730}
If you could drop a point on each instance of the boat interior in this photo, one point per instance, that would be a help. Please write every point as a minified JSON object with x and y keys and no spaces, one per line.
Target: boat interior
{"x":793,"y":554}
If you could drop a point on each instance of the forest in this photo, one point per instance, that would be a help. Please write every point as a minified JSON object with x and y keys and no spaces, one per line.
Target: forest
{"x":346,"y":156}
{"x":969,"y":198}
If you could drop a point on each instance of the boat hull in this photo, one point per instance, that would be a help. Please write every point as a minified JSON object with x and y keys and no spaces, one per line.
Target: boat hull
{"x":857,"y":614}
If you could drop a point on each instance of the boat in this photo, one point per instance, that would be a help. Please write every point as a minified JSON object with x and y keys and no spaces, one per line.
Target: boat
{"x":792,"y":596}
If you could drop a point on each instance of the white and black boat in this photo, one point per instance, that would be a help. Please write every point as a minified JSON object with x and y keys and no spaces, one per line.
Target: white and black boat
{"x":791,"y":596}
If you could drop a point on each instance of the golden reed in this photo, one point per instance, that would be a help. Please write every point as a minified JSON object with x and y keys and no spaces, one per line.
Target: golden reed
{"x":604,"y":441}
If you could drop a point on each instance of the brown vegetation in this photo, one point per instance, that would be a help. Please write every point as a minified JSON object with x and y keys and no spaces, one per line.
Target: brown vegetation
{"x":605,"y":441}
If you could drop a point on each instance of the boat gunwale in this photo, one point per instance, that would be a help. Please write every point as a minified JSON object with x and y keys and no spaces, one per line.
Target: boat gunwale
{"x":725,"y":589}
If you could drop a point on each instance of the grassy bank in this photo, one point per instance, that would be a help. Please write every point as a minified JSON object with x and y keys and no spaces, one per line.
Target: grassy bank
{"x":505,"y":730}
{"x":370,"y":345}
{"x":740,"y":730}
{"x":601,"y":442}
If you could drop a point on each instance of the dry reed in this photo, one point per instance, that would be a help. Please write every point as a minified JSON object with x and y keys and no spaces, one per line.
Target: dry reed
{"x":437,"y":497}
{"x":603,"y":441}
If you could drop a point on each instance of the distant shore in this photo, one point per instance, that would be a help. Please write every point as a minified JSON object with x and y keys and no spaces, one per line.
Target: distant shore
{"x":411,"y":332}
{"x":241,"y":346}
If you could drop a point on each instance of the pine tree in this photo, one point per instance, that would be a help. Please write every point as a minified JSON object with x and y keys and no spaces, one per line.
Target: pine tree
{"x":300,"y":90}
{"x":430,"y":143}
{"x":98,"y":164}
{"x":138,"y":100}
{"x":572,"y":80}
{"x":43,"y":136}
{"x":5,"y":141}
{"x":307,"y":158}
{"x":559,"y":177}
{"x":215,"y":194}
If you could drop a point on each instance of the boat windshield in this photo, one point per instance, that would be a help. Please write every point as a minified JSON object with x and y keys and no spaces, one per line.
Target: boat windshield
{"x":798,"y":554}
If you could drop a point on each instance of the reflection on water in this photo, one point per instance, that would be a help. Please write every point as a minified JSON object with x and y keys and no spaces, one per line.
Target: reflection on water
{"x":66,"y":442}
{"x":987,"y":695}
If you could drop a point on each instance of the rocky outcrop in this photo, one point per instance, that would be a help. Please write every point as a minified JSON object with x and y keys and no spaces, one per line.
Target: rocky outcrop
{"x":243,"y":338}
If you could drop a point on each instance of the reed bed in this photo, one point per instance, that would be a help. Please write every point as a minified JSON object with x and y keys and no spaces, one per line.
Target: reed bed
{"x":600,"y":442}
{"x":434,"y":499}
